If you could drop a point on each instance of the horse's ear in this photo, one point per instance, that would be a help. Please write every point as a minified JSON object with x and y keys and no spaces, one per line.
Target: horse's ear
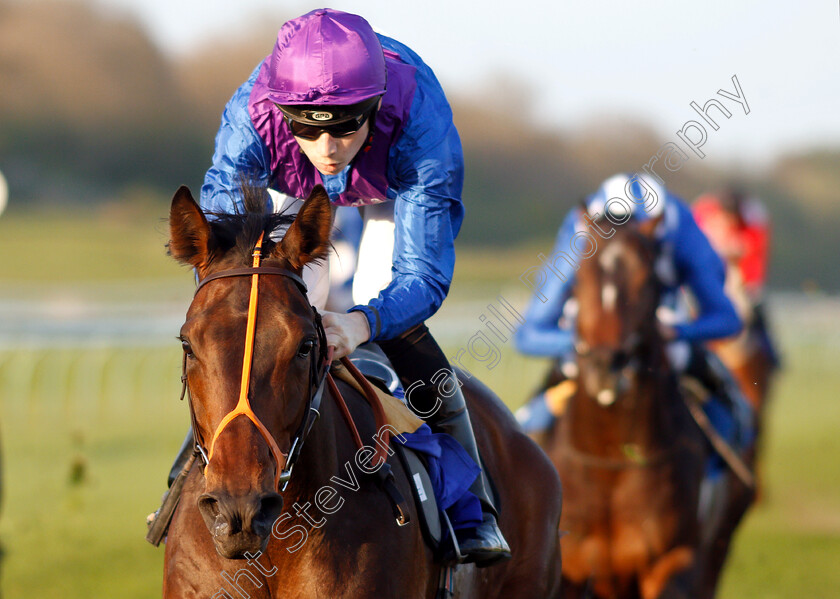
{"x":308,"y":238}
{"x":648,"y":228}
{"x":189,"y":231}
{"x":584,"y":209}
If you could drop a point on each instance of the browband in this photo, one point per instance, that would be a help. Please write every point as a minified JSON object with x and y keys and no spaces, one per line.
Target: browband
{"x":250,"y":270}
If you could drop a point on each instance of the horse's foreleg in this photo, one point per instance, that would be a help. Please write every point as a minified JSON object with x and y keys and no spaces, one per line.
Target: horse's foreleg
{"x":670,"y":576}
{"x":716,"y":548}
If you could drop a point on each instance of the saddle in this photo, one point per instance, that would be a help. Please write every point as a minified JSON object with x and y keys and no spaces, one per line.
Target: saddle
{"x":435,"y":525}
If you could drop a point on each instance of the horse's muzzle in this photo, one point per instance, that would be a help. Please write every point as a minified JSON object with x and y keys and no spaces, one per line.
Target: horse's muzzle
{"x":240,"y":524}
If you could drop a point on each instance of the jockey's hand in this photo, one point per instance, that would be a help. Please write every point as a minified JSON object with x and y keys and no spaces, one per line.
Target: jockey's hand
{"x":345,"y":332}
{"x":666,"y":331}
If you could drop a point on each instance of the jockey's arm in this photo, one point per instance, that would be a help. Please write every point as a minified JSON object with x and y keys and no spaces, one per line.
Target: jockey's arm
{"x":426,"y":177}
{"x":701,"y":269}
{"x":541,"y":335}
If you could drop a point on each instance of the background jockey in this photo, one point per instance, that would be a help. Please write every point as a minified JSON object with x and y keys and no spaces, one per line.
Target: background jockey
{"x":685,"y":260}
{"x":738,"y":227}
{"x":337,"y":105}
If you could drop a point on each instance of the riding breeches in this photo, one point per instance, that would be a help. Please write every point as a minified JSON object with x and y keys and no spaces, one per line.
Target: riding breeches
{"x":370,"y":266}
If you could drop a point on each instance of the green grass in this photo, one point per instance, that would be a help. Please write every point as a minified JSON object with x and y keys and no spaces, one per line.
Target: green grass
{"x":789,"y":545}
{"x":85,"y":459}
{"x":106,"y":243}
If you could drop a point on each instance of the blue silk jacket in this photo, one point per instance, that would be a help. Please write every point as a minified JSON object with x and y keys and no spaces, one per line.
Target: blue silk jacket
{"x":415,"y":160}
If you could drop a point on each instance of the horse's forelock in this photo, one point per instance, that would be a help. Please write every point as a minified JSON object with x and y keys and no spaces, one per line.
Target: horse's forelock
{"x":255,"y":198}
{"x":240,"y":230}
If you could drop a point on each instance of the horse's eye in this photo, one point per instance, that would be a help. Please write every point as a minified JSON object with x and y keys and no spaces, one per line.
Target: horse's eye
{"x":306,"y":348}
{"x":185,"y":345}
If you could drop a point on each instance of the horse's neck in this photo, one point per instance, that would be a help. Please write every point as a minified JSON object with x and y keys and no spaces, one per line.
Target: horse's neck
{"x":643,"y":416}
{"x":326,"y":502}
{"x":328,"y":455}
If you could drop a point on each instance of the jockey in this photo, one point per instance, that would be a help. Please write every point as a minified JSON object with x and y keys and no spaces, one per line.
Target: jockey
{"x":685,"y":260}
{"x":338,"y":105}
{"x":738,"y":227}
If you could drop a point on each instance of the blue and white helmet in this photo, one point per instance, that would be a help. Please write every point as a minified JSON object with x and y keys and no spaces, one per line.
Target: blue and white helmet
{"x":624,"y":196}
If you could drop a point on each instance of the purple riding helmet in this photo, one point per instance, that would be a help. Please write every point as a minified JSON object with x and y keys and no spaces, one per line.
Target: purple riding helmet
{"x":327,"y":68}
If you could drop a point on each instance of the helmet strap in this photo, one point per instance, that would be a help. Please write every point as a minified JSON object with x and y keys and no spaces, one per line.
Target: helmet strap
{"x":371,"y":129}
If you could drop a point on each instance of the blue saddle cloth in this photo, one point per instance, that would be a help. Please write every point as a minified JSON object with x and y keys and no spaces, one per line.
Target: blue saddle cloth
{"x":734,"y":425}
{"x":452,"y":472}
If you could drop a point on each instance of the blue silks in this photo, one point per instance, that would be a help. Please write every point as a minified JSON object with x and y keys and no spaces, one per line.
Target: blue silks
{"x":451,"y":471}
{"x":424,"y":173}
{"x":733,"y":425}
{"x":688,"y":261}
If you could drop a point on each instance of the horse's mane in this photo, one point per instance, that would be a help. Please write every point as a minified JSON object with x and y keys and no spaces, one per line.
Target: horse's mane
{"x":240,"y":230}
{"x":629,"y":231}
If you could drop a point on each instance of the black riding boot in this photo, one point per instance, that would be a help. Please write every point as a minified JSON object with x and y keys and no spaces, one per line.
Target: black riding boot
{"x":718,"y":381}
{"x":707,"y":368}
{"x":416,"y":356}
{"x":762,"y":328}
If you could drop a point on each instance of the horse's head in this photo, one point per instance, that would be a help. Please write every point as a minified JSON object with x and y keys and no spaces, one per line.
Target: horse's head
{"x":617,"y":292}
{"x":245,"y":419}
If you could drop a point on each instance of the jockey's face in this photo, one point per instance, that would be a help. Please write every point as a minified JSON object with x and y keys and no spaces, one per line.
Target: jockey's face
{"x":330,"y":155}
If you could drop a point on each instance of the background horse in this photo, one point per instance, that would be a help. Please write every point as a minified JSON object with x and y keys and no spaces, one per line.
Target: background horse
{"x":747,"y":358}
{"x":629,"y":455}
{"x":331,"y":532}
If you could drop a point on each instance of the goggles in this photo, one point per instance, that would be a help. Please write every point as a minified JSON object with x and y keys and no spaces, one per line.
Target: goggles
{"x":309,"y":122}
{"x":313,"y":132}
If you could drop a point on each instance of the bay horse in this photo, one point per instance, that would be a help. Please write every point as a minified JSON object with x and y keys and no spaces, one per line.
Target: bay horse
{"x":247,"y":524}
{"x":629,"y":455}
{"x":752,"y":367}
{"x":746,"y":355}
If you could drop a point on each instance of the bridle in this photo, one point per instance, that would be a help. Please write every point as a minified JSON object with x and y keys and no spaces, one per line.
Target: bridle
{"x":626,"y":360}
{"x":284,"y":463}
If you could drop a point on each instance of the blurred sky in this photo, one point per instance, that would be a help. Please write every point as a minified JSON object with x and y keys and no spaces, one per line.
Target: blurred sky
{"x":577,"y":62}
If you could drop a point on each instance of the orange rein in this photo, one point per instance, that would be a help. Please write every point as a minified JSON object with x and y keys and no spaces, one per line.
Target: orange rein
{"x":243,"y":407}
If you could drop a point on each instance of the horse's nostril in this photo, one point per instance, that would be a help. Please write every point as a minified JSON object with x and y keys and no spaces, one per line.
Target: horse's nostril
{"x":271,"y":505}
{"x":208,"y":506}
